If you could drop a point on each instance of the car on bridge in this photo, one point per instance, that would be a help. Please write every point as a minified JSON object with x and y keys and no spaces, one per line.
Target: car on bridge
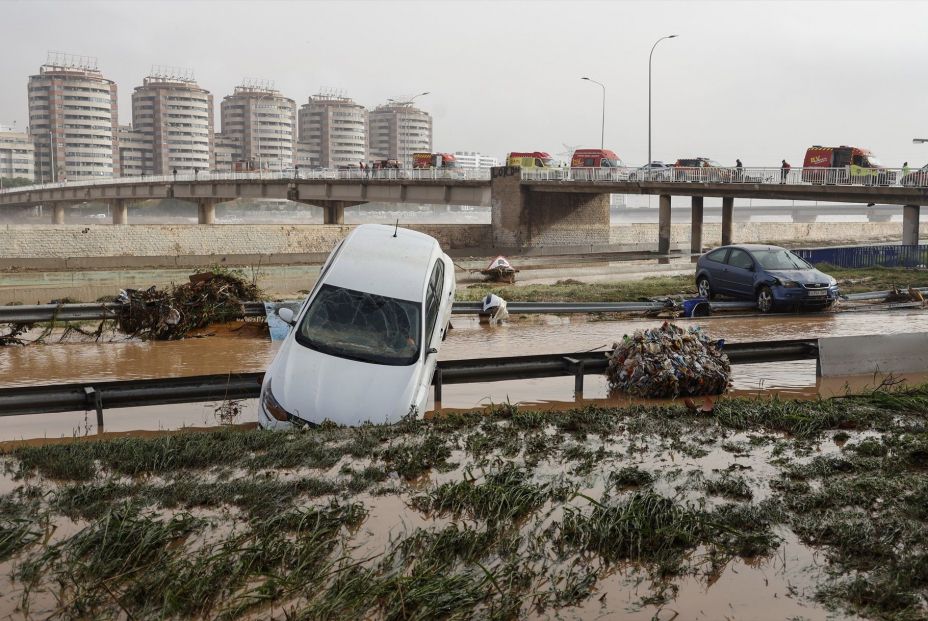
{"x":364,"y":345}
{"x":655,"y":171}
{"x":772,"y":276}
{"x":702,"y":170}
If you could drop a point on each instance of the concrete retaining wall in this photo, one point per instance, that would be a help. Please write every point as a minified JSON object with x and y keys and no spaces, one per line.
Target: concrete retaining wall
{"x":159,"y":240}
{"x":762,"y":232}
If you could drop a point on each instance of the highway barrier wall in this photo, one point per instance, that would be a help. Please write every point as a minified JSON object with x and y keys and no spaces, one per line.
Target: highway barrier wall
{"x":77,"y":246}
{"x":645,"y":235}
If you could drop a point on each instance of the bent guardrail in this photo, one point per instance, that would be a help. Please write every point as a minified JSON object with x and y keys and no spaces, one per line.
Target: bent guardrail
{"x":98,"y":396}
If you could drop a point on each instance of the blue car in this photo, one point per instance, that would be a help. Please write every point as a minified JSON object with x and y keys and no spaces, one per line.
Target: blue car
{"x":771,"y":276}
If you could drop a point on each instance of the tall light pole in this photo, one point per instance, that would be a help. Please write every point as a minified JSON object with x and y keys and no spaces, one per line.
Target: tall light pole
{"x":651,"y":56}
{"x":602,"y":132}
{"x":408,"y":104}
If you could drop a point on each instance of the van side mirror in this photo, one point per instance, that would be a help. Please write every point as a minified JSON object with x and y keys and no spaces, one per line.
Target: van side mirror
{"x":431,"y":351}
{"x":286,"y":315}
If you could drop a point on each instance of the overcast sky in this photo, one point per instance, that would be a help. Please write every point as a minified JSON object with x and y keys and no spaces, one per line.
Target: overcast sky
{"x":755,"y":80}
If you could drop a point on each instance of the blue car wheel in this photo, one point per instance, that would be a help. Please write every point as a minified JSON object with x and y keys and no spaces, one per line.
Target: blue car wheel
{"x":704,"y":288}
{"x":764,"y":299}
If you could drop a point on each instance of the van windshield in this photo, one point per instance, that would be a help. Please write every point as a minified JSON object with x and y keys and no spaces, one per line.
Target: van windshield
{"x":362,"y":326}
{"x":610,"y":163}
{"x":872,"y":162}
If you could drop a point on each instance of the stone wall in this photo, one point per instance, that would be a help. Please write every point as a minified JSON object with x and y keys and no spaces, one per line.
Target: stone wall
{"x":794,"y":233}
{"x":163,"y":240}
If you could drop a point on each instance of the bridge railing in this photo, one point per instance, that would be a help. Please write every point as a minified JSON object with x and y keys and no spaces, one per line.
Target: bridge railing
{"x":846,"y":176}
{"x":414,"y":174}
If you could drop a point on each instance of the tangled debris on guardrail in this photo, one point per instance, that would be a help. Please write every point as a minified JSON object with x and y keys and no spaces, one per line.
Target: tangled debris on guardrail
{"x":210,"y":297}
{"x":668,"y":362}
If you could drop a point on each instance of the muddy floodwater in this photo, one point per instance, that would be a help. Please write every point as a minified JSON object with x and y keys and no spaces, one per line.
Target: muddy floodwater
{"x":232,"y":352}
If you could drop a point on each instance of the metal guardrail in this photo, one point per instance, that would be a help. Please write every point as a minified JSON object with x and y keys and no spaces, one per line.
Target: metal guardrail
{"x":95,"y":312}
{"x":89,"y":396}
{"x":38,"y":313}
{"x":847,"y":176}
{"x":406,"y":174}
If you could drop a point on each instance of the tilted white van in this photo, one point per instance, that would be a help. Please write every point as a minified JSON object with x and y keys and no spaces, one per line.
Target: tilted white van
{"x":363,"y":346}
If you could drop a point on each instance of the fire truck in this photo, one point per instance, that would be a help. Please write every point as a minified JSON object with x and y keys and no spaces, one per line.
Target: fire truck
{"x":844,"y":164}
{"x":433,"y":160}
{"x":534,"y":159}
{"x":595,"y":158}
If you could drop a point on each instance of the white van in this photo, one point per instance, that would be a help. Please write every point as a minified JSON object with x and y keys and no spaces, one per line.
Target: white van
{"x":363,"y":346}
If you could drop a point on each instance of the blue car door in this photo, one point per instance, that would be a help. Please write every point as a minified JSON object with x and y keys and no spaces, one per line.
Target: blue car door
{"x":740,"y":274}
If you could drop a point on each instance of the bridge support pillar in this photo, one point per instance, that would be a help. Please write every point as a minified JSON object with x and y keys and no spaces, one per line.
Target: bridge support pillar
{"x":333,"y":212}
{"x":728,"y":217}
{"x":525,"y":216}
{"x":696,"y":226}
{"x":206,"y":211}
{"x":120,"y":209}
{"x":663,"y":225}
{"x":58,"y":213}
{"x":910,"y":216}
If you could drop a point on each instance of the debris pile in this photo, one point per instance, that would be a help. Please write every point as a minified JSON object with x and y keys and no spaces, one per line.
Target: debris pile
{"x":897,"y":294}
{"x":500,"y":270}
{"x":667,"y":362}
{"x":209,"y":297}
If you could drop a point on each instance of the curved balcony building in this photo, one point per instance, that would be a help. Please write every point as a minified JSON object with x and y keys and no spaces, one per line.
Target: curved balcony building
{"x":72,"y":120}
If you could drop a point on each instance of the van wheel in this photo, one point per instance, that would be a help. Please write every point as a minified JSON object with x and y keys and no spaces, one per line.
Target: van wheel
{"x":764,"y":299}
{"x":704,"y":288}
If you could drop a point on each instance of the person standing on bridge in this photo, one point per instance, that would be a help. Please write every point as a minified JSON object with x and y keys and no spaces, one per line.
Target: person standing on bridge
{"x":905,"y":168}
{"x":739,"y":170}
{"x":784,"y":171}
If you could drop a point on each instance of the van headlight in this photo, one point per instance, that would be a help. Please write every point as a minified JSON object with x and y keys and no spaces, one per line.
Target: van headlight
{"x":271,"y":406}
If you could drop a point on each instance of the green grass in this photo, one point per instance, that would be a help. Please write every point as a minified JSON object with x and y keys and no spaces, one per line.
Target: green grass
{"x":492,"y":513}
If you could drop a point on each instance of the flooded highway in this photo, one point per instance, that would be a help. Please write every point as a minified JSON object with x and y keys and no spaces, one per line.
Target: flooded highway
{"x":243,"y":351}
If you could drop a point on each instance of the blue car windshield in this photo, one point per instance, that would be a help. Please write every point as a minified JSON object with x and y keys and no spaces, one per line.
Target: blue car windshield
{"x":362,"y":326}
{"x":779,"y":260}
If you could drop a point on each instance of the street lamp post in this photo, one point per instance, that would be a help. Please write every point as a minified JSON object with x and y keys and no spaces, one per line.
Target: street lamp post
{"x":404,"y":149}
{"x":255,"y":135}
{"x":650,"y":57}
{"x":602,"y":131}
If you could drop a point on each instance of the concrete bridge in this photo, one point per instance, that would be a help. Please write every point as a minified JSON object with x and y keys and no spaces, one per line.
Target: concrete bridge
{"x":530,"y":208}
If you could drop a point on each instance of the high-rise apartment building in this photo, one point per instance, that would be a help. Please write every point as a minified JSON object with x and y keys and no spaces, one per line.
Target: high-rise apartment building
{"x":178,"y":116}
{"x":263,"y":122}
{"x":72,"y":120}
{"x":399,"y":129}
{"x":228,"y":150}
{"x":135,"y":153}
{"x":334,"y":130}
{"x":17,"y":154}
{"x":473,"y":159}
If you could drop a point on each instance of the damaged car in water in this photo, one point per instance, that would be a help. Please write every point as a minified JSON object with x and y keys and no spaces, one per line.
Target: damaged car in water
{"x":364,"y":344}
{"x":772,"y":276}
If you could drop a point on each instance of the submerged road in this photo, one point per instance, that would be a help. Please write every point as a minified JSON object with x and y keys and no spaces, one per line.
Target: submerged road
{"x":244,"y":351}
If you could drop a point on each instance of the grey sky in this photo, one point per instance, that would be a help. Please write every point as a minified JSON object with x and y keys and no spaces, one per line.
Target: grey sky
{"x":760,"y":81}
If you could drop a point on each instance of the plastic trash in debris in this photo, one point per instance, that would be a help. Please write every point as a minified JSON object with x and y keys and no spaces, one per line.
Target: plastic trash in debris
{"x":500,"y":270}
{"x":494,"y":309}
{"x":667,"y":362}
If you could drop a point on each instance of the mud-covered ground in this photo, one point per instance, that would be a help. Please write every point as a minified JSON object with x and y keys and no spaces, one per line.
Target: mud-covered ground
{"x":580,"y":289}
{"x":765,"y":509}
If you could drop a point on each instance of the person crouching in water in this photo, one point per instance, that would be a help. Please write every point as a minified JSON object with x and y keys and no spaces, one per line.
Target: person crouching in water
{"x":494,"y":309}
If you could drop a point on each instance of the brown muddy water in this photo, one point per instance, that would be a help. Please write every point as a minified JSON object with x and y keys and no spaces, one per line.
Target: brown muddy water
{"x":73,"y":362}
